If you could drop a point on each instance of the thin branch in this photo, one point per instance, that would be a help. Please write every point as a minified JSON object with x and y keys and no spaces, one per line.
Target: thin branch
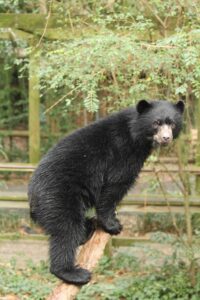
{"x":158,"y":46}
{"x":186,"y":199}
{"x":172,"y":177}
{"x":60,"y":100}
{"x":168,"y":204}
{"x":181,"y":176}
{"x":70,"y":92}
{"x":70,"y":21}
{"x":45,"y":28}
{"x":88,"y":258}
{"x":114,"y":78}
{"x":153,"y":12}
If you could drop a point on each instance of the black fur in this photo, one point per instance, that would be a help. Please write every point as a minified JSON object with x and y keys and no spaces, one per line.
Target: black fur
{"x":93,"y":167}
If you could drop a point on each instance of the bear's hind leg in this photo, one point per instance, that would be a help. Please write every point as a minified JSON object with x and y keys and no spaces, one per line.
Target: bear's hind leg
{"x":63,"y":247}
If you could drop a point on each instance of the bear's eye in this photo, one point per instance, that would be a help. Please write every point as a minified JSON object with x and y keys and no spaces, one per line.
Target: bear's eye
{"x":173,"y":125}
{"x":170,"y":122}
{"x":156,"y":124}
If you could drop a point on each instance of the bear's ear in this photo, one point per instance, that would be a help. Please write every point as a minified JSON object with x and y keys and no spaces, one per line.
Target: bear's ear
{"x":142,"y":106}
{"x":180,"y":106}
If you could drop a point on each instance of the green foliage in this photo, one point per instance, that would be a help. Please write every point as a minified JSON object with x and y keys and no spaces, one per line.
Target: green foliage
{"x":116,"y":67}
{"x":162,"y":222}
{"x":8,"y":224}
{"x":115,"y":53}
{"x":170,"y":282}
{"x":13,"y":90}
{"x":118,"y":70}
{"x":11,"y":221}
{"x":17,"y":6}
{"x":132,"y":55}
{"x":151,"y":222}
{"x":123,"y":261}
{"x":34,"y":282}
{"x":125,"y":276}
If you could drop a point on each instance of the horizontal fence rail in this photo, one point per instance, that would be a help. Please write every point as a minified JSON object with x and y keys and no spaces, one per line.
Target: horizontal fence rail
{"x":26,"y":167}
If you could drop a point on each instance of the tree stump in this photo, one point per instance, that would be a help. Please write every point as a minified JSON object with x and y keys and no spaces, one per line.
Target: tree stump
{"x":88,"y":258}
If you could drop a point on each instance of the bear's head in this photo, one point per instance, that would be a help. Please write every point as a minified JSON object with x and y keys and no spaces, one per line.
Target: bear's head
{"x":159,"y":121}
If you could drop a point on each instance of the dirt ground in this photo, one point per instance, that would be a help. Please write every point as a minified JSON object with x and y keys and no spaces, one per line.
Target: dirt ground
{"x":23,"y":251}
{"x":36,"y":251}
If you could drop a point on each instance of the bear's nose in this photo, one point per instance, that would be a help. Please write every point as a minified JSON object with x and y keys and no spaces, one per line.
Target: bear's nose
{"x":166,"y":138}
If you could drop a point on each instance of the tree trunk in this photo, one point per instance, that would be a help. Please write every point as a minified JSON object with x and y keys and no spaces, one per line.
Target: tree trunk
{"x":88,"y":258}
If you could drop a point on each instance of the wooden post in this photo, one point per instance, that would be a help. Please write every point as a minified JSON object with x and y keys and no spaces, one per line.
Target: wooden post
{"x":88,"y":258}
{"x":198,"y":145}
{"x":34,"y":108}
{"x":108,"y":249}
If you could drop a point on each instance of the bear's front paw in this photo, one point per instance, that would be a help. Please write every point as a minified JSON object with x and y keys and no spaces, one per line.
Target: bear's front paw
{"x":111,"y":226}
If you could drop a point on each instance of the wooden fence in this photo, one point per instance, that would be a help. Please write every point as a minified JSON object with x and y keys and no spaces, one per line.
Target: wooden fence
{"x":30,"y":27}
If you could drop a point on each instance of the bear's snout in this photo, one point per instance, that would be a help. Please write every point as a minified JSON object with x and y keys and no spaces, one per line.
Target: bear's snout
{"x":164,"y":135}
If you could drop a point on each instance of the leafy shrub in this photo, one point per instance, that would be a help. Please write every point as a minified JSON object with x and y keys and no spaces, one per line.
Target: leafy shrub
{"x":170,"y":282}
{"x":33,"y":283}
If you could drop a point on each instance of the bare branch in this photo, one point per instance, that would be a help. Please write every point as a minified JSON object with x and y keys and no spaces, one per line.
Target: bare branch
{"x":45,"y":28}
{"x":88,"y":258}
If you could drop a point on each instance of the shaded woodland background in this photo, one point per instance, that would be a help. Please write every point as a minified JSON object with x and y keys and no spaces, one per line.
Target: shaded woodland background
{"x":102,"y":56}
{"x":64,"y":64}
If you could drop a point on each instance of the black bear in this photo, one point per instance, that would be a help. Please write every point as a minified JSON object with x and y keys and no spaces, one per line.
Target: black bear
{"x":94,"y":167}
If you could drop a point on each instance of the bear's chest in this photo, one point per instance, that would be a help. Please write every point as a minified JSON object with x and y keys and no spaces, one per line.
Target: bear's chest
{"x":124,"y":169}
